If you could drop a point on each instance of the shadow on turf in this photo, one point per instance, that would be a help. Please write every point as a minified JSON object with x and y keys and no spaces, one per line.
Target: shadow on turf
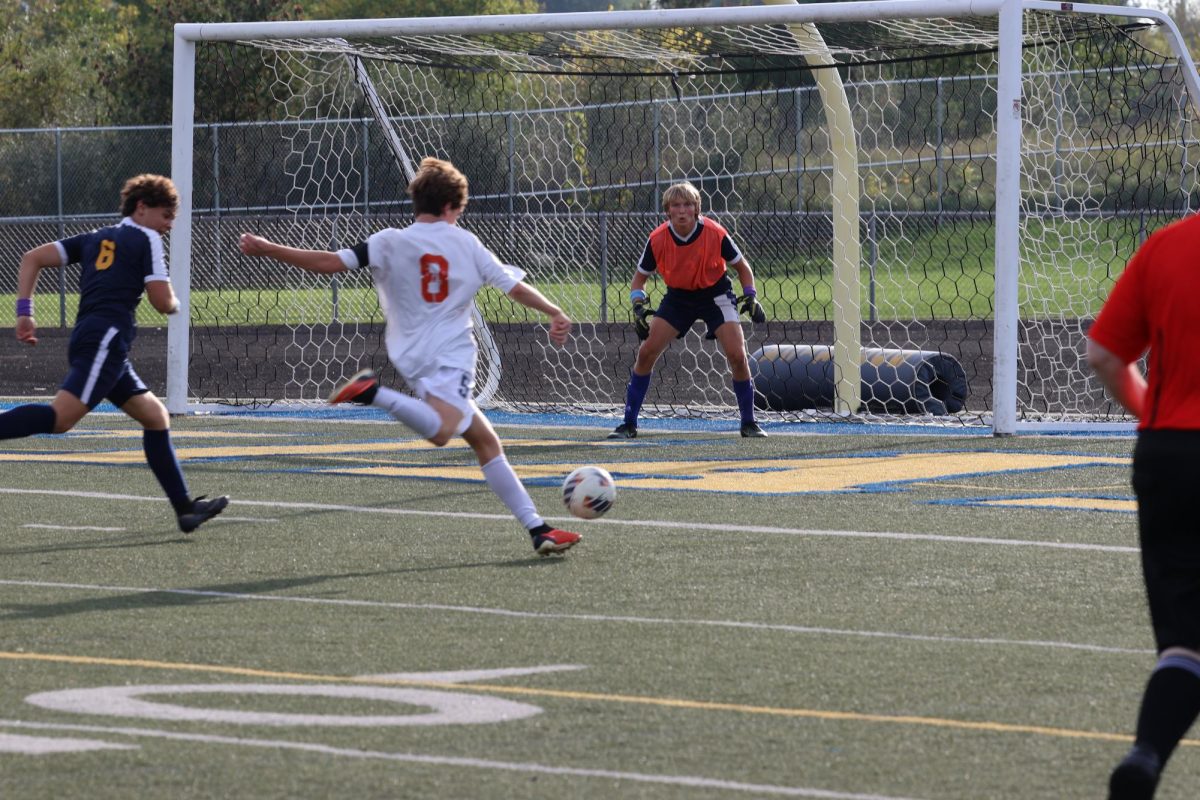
{"x":93,"y":544}
{"x":224,"y":593}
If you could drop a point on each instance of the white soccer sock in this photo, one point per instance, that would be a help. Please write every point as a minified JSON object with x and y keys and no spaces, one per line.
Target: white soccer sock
{"x":507,"y":486}
{"x":414,"y":413}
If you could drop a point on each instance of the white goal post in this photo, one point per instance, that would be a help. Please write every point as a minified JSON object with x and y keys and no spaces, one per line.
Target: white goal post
{"x":935,"y":195}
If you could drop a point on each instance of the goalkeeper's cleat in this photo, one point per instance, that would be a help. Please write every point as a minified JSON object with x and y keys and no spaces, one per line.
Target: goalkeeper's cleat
{"x":751,"y":430}
{"x":624,"y":431}
{"x":554,"y":541}
{"x":1136,"y":776}
{"x":202,"y":511}
{"x":360,"y":389}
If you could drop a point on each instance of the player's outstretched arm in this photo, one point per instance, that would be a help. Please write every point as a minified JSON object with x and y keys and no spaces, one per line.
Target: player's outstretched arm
{"x":32,"y":264}
{"x":560,"y":323}
{"x":321,"y":261}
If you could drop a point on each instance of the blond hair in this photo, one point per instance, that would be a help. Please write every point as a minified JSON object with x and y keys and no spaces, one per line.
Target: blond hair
{"x":436,"y":184}
{"x":681,"y":191}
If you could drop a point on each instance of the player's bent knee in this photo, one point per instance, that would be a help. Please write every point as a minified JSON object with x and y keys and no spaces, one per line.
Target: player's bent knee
{"x":156,"y":422}
{"x":441,"y":438}
{"x":65,"y":420}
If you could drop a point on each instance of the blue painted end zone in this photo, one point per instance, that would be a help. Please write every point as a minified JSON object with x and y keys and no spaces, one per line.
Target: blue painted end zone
{"x":352,"y":414}
{"x":1013,"y":501}
{"x":556,"y":420}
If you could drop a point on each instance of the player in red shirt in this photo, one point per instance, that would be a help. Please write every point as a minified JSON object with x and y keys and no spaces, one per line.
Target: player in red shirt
{"x":692,"y":255}
{"x":1154,"y":307}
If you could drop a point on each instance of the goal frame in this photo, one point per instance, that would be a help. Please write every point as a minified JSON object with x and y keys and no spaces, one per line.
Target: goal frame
{"x":1008,"y":132}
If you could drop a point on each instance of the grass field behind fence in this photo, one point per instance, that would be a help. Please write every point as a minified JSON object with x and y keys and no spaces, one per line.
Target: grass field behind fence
{"x":839,"y":616}
{"x":922,"y":273}
{"x":949,"y":294}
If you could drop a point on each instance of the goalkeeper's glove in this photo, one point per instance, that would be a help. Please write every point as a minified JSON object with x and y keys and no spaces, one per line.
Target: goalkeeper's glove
{"x":751,"y":307}
{"x":642,"y":312}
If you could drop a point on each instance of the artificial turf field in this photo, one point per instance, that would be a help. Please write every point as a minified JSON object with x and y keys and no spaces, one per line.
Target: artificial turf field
{"x":835,"y":614}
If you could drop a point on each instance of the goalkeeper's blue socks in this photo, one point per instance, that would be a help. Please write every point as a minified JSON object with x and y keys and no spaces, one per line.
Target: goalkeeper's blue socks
{"x":160,"y":455}
{"x":26,"y":421}
{"x":744,"y":392}
{"x":635,"y":395}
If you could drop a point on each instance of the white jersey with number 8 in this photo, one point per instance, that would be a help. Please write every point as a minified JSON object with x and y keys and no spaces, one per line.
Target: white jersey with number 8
{"x":427,"y":276}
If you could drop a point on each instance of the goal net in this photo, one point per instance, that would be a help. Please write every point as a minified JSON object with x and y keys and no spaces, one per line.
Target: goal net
{"x":856,"y":152}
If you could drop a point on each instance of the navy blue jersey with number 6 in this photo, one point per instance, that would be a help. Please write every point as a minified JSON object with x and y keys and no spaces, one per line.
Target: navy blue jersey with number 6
{"x":116,"y":263}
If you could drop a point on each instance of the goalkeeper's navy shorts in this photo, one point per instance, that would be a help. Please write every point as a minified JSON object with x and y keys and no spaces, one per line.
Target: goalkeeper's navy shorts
{"x":100,"y":367}
{"x":713,"y":306}
{"x":1165,"y":467}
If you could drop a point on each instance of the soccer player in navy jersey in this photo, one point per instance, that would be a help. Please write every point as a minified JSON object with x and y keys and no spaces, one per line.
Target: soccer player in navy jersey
{"x":118,"y":263}
{"x":692,"y":254}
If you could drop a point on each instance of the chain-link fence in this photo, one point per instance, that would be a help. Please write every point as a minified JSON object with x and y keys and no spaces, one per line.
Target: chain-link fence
{"x":60,"y":181}
{"x":254,"y":176}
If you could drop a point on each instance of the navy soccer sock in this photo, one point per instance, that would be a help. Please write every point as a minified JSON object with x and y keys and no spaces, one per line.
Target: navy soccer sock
{"x":160,"y":455}
{"x":26,"y":421}
{"x":1170,"y":704}
{"x":635,"y":393}
{"x":744,"y":392}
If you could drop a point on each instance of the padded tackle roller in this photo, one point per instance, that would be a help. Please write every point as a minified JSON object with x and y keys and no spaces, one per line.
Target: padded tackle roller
{"x":789,"y":377}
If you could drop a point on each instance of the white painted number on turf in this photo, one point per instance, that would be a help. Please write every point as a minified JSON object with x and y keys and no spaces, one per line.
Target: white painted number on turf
{"x":446,"y":708}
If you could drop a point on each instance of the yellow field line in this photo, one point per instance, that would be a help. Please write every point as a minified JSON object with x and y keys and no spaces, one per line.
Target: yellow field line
{"x":662,"y":702}
{"x":1053,"y":490}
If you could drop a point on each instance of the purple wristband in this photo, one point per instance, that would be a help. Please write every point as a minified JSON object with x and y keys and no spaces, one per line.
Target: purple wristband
{"x":24,"y":306}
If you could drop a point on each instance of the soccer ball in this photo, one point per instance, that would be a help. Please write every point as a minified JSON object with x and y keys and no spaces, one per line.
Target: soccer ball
{"x":589,"y":492}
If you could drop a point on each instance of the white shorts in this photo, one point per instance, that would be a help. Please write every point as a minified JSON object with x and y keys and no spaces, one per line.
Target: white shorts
{"x":453,"y":386}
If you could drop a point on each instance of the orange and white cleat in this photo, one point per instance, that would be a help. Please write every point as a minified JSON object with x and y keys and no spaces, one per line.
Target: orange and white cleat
{"x":554,"y":541}
{"x":360,"y":389}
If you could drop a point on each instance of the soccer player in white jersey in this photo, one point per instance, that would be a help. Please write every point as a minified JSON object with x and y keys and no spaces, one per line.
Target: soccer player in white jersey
{"x":427,"y":275}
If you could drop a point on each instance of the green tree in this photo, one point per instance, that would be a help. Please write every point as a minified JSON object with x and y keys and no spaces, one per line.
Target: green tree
{"x":137,"y":77}
{"x":47,"y":52}
{"x":134,"y":75}
{"x":377,"y":9}
{"x":566,"y":6}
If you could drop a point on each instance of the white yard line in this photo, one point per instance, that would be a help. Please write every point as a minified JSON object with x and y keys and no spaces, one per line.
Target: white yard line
{"x":455,"y":761}
{"x":637,"y":523}
{"x":69,"y":527}
{"x":641,"y":524}
{"x":600,"y":618}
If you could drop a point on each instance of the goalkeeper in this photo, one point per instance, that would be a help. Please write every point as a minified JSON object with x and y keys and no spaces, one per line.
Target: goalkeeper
{"x":692,"y":254}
